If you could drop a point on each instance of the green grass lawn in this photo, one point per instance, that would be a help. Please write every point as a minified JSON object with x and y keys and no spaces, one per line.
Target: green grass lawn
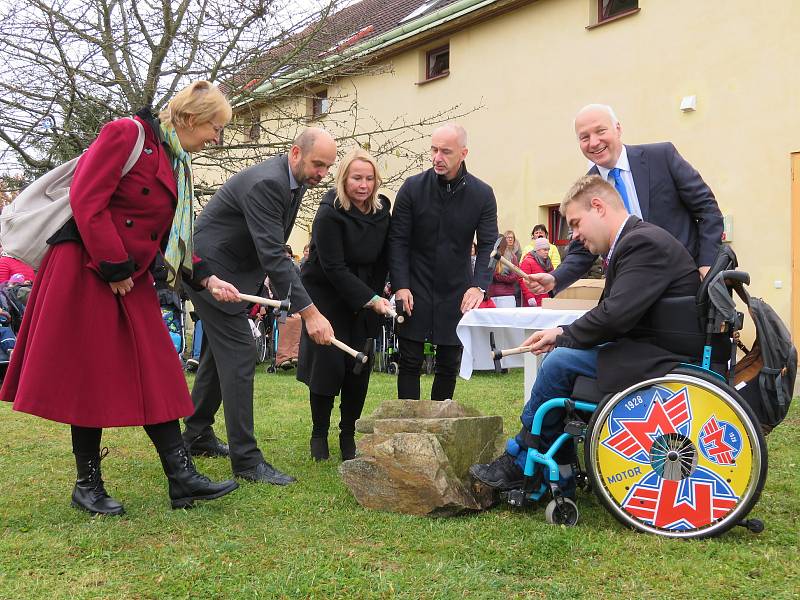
{"x":313,"y":540}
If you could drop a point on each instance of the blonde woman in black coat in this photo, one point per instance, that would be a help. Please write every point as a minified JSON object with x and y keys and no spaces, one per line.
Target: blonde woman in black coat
{"x":344,"y":275}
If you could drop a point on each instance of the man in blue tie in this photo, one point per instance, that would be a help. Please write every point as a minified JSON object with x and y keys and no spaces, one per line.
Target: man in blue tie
{"x":656,"y":184}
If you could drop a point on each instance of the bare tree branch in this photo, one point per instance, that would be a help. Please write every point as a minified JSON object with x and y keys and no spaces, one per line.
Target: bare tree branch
{"x":72,"y":65}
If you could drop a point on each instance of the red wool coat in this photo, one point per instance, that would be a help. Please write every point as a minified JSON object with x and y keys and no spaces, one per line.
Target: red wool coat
{"x":85,"y":356}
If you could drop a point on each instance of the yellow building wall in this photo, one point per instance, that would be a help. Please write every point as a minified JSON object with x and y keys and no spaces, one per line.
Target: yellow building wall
{"x":533,"y":68}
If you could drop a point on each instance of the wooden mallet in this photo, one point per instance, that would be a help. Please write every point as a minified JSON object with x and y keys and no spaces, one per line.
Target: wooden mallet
{"x":361,"y":357}
{"x":497,"y":255}
{"x":498,"y":354}
{"x":393,"y":314}
{"x":281,"y":305}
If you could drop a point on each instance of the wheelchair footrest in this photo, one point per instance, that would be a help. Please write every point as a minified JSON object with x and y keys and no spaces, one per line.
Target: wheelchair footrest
{"x":515,"y":497}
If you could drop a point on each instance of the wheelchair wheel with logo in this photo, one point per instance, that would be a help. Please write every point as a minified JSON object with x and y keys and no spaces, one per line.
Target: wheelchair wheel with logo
{"x":679,"y":456}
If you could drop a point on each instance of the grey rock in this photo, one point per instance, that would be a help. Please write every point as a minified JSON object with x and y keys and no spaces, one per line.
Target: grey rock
{"x":409,"y":409}
{"x":416,"y":457}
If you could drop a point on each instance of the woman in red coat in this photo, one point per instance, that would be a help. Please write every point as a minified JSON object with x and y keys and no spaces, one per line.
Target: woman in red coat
{"x":536,"y":261}
{"x":93,"y":309}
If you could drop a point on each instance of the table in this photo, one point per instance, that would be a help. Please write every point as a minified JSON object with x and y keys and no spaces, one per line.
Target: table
{"x":510,"y":326}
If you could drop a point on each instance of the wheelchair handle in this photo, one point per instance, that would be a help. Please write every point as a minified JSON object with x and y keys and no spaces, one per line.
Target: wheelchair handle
{"x":498,"y":354}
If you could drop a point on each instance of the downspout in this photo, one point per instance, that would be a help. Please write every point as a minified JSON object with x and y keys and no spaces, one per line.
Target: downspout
{"x":398,"y":34}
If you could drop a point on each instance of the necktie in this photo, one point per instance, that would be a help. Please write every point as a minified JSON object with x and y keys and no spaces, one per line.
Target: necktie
{"x":620,"y":185}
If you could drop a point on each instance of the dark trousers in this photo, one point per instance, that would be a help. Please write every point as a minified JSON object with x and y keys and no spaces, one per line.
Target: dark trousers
{"x":351,"y":403}
{"x":448,"y":359}
{"x":225,"y":377}
{"x":165,"y":437}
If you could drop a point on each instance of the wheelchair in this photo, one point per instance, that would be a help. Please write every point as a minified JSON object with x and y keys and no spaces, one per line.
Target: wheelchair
{"x":679,"y":456}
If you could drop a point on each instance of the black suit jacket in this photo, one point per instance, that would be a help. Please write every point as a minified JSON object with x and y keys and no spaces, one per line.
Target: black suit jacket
{"x":672,"y":195}
{"x":647,"y":266}
{"x":241,"y":233}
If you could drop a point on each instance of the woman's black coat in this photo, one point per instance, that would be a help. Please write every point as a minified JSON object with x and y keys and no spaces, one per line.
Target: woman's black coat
{"x":346,"y":267}
{"x":433,"y":225}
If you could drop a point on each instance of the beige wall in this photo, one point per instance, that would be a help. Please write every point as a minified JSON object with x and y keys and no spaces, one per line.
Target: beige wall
{"x":533,"y":68}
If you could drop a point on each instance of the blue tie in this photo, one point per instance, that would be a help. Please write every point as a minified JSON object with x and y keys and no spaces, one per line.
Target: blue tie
{"x":620,"y":185}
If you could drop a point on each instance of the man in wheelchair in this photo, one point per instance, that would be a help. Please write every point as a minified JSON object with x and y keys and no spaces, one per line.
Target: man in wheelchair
{"x":624,"y":339}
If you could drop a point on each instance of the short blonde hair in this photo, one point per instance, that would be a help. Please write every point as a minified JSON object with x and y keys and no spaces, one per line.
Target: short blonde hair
{"x":201,"y":100}
{"x":588,"y":187}
{"x":353,"y":155}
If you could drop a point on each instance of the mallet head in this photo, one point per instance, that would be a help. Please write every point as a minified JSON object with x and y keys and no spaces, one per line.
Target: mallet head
{"x":496,"y":354}
{"x":400,"y":307}
{"x":283,"y":311}
{"x":362,"y":358}
{"x":498,"y":250}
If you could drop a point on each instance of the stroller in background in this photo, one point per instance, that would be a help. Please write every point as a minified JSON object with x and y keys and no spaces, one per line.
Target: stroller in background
{"x":277,"y":342}
{"x":12,"y":301}
{"x":172,"y":307}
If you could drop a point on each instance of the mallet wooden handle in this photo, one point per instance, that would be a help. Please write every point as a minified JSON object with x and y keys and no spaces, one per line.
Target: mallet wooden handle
{"x":345,"y":348}
{"x":512,"y":266}
{"x":498,"y":354}
{"x":260,"y":300}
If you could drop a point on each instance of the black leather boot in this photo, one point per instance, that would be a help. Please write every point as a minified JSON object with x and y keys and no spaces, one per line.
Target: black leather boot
{"x":187,"y":485}
{"x":319,"y":449}
{"x":347,"y":445}
{"x":89,"y":493}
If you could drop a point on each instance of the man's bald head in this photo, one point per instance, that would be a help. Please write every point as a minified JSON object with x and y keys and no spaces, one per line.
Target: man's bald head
{"x":312,"y":155}
{"x":453,"y":129}
{"x":448,"y":149}
{"x":309,"y":136}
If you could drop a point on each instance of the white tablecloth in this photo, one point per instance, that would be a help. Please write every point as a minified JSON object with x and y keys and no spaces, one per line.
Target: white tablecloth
{"x":510,"y":326}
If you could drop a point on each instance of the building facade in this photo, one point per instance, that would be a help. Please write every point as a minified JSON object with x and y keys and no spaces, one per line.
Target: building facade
{"x":714,"y":77}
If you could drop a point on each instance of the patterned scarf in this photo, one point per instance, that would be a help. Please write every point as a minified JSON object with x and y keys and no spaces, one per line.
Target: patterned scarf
{"x":178,"y":255}
{"x":545,"y":263}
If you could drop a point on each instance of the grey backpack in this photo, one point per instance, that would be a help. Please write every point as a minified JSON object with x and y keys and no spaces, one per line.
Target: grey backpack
{"x":765,"y":376}
{"x":43,"y":207}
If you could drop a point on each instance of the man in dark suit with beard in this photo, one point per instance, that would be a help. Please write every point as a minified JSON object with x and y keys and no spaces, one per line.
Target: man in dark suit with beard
{"x":656,"y":184}
{"x":616,"y":342}
{"x":241,"y":233}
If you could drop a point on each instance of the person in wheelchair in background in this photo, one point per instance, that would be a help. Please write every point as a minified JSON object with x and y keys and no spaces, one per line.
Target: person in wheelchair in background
{"x":618,"y":342}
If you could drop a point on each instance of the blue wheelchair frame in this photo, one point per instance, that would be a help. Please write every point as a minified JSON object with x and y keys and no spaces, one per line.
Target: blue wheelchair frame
{"x":535,"y":457}
{"x":545,"y":459}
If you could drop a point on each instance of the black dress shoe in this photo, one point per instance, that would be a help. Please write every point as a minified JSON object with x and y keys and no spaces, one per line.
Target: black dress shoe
{"x":502,"y":474}
{"x":265,"y":473}
{"x":211,"y":447}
